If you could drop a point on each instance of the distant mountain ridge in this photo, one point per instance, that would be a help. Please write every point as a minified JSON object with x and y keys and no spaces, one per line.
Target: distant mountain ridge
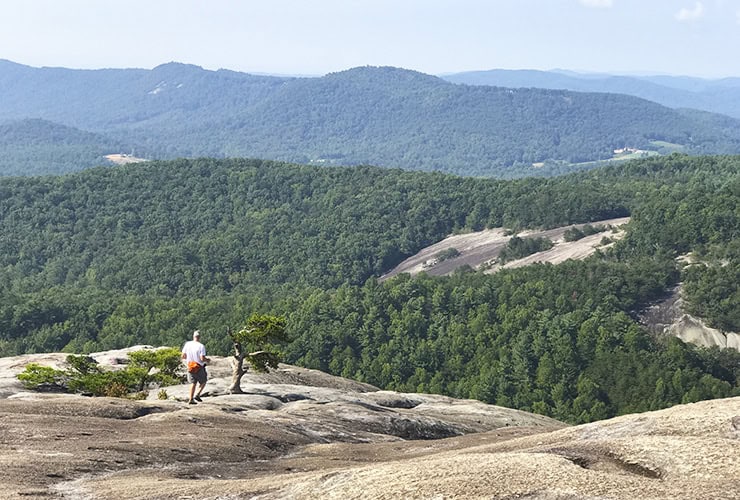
{"x":368,"y":115}
{"x":717,"y":96}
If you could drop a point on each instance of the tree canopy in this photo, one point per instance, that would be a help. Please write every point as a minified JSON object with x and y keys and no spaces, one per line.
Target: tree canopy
{"x":108,"y":258}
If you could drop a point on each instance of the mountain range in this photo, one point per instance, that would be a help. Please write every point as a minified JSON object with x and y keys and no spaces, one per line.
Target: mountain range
{"x":717,"y":96}
{"x":369,"y":115}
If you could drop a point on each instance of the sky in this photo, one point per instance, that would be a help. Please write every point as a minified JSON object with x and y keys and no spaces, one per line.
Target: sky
{"x":315,"y":37}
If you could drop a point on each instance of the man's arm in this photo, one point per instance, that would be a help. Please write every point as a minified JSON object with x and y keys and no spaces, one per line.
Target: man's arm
{"x":202,"y":356}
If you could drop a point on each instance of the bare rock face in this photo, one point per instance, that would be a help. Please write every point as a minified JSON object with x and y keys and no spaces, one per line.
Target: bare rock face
{"x":10,"y":367}
{"x":479,"y":249}
{"x":688,"y":451}
{"x":668,"y":317}
{"x":53,"y":443}
{"x":299,"y":433}
{"x":693,"y":330}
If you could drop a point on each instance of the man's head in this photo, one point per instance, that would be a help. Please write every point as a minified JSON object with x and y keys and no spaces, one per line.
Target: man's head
{"x":196,"y":335}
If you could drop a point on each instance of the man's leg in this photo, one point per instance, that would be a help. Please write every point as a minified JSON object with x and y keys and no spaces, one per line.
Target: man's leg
{"x":204,"y":378}
{"x":192,"y":391}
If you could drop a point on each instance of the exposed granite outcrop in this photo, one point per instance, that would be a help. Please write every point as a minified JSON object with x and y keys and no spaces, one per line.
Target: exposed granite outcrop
{"x":668,"y":317}
{"x":303,"y":434}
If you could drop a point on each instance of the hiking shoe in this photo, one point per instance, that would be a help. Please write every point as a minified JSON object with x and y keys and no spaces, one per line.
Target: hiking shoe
{"x":197,"y":398}
{"x":192,"y":402}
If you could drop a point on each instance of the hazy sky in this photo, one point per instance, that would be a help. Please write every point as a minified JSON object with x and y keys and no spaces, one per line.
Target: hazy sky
{"x":689,"y":37}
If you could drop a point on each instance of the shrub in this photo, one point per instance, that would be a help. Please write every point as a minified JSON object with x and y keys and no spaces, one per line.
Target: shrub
{"x":38,"y":377}
{"x":575,"y":233}
{"x":449,"y":253}
{"x":518,"y":248}
{"x":115,"y":390}
{"x":159,"y":367}
{"x":83,"y":364}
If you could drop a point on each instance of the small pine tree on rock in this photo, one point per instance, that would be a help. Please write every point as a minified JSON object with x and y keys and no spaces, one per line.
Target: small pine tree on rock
{"x":257,"y":342}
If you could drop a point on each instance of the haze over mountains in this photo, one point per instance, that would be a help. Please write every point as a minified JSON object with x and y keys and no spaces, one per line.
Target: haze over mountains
{"x":370,"y":115}
{"x":717,"y":96}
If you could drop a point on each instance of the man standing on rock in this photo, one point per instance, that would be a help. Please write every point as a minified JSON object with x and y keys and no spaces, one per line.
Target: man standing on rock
{"x":194,"y":354}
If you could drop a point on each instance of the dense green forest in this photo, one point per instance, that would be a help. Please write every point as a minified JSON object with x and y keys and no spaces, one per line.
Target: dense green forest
{"x":193,"y":226}
{"x":712,"y":285}
{"x":552,"y":339}
{"x":107,"y":258}
{"x":369,"y":115}
{"x":37,"y":147}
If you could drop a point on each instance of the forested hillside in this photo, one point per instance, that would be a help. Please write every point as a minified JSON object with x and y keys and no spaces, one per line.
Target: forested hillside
{"x":198,"y":225}
{"x":35,"y":147}
{"x":145,"y":253}
{"x":380,"y":116}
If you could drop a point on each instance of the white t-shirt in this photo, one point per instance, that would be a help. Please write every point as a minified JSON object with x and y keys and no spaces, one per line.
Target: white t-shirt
{"x":193,"y":351}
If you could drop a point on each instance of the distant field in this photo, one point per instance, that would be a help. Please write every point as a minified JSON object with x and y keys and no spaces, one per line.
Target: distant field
{"x":621,"y":157}
{"x":633,"y":156}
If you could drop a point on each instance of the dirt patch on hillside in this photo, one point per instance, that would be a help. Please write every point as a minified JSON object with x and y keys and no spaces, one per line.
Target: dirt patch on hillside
{"x":123,"y":159}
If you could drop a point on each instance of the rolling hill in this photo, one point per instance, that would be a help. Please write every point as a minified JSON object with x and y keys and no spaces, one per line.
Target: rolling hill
{"x":370,"y":115}
{"x":33,"y":146}
{"x":717,"y":96}
{"x":481,"y":249}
